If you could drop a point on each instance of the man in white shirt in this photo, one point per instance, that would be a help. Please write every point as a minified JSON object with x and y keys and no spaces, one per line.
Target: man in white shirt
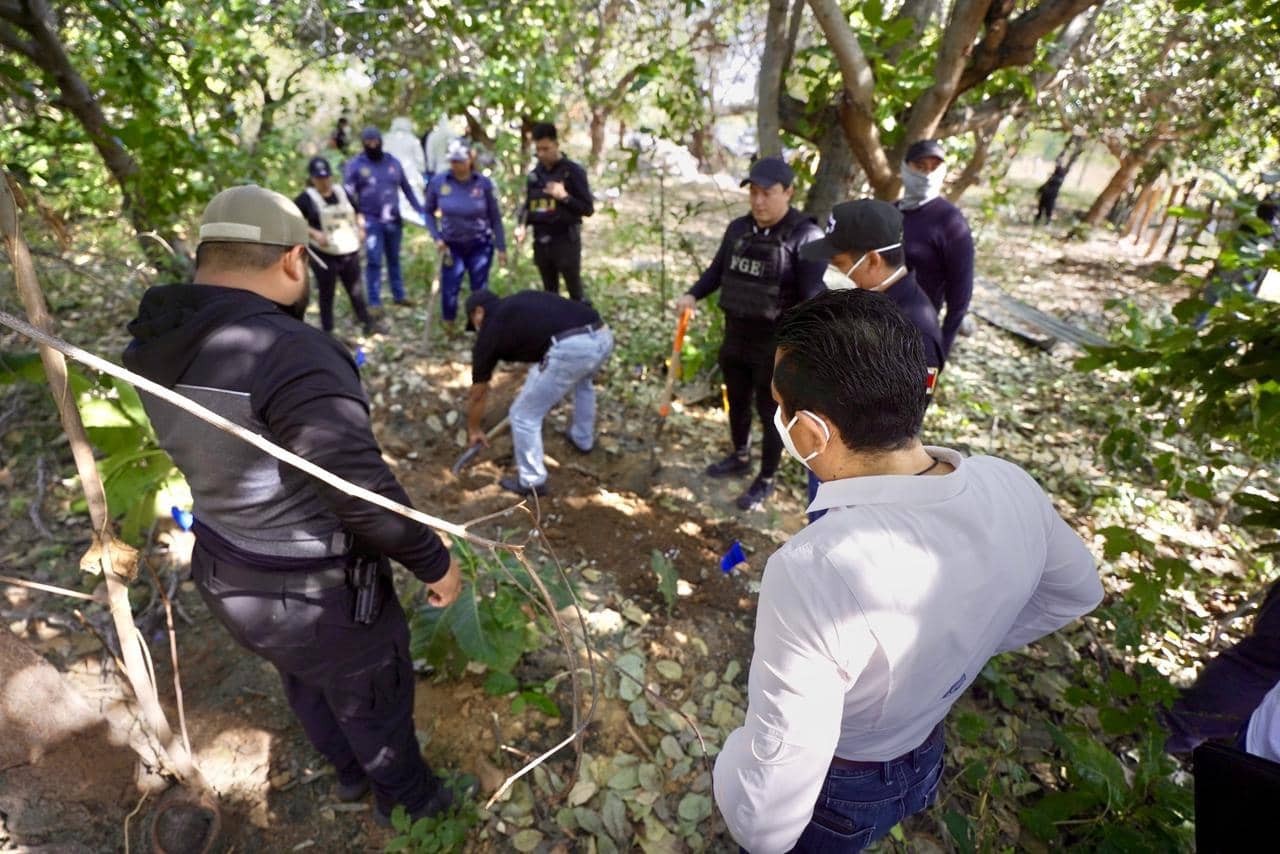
{"x":874,"y":620}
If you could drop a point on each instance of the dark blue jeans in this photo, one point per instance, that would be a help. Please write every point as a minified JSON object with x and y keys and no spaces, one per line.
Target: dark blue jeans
{"x":382,"y":239}
{"x":474,"y":259}
{"x":857,"y":806}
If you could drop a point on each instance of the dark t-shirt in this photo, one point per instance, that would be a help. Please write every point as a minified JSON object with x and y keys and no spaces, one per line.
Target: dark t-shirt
{"x":908,"y":296}
{"x":519,"y":329}
{"x":939,"y":249}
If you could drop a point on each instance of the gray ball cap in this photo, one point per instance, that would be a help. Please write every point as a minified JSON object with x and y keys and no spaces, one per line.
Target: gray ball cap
{"x":253,"y":214}
{"x":856,"y":226}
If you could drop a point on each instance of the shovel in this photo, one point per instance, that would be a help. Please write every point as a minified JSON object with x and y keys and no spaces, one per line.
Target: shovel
{"x":469,"y":454}
{"x":664,"y":402}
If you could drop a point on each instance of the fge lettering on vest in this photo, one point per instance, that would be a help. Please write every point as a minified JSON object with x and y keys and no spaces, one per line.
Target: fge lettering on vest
{"x":746,"y":266}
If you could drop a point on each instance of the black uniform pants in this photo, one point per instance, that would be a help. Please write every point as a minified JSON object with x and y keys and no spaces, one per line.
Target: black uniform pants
{"x":350,"y":685}
{"x":1048,"y":200}
{"x":559,"y":254}
{"x":346,"y":268}
{"x":746,"y":360}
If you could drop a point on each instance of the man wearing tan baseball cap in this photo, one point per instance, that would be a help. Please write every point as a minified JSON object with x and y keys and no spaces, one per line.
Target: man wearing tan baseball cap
{"x":298,"y":572}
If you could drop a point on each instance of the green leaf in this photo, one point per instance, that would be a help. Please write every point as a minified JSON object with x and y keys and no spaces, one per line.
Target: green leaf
{"x":1041,"y":818}
{"x":694,"y":807}
{"x":539,"y":701}
{"x":499,"y":684}
{"x":667,"y":578}
{"x":481,"y":636}
{"x":961,"y":828}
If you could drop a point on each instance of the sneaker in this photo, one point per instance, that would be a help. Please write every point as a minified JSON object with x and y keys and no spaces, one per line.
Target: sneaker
{"x":350,"y":792}
{"x":374,"y":327}
{"x":405,"y":303}
{"x":573,"y":444}
{"x":759,"y":490}
{"x":513,"y":484}
{"x":437,"y":804}
{"x":731,"y":466}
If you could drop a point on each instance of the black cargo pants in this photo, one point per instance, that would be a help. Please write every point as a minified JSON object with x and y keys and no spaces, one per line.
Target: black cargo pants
{"x":350,"y":685}
{"x":746,"y":360}
{"x":557,"y":254}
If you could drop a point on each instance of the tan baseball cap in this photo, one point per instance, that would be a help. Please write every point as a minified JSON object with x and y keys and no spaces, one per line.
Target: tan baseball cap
{"x":253,"y":214}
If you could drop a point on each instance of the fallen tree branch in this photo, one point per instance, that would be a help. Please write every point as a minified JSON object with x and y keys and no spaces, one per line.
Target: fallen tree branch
{"x":33,"y":509}
{"x":260,"y":442}
{"x":50,"y":588}
{"x":106,"y":554}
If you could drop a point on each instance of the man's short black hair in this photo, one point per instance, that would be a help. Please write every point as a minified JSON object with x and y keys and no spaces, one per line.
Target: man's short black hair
{"x":238,"y":257}
{"x":852,"y":356}
{"x":544,"y":130}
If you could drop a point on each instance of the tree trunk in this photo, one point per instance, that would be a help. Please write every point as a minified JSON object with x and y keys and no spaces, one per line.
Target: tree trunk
{"x":599,"y":122}
{"x":769,"y":83}
{"x":973,"y":169}
{"x":1164,"y":219}
{"x":833,"y":182}
{"x":1132,"y":162}
{"x":46,"y":51}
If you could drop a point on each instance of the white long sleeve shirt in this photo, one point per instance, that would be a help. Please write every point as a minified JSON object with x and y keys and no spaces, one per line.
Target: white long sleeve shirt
{"x":874,"y":620}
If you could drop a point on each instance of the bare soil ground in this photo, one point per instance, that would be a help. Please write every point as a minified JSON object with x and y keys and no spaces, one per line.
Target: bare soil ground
{"x":608,"y":513}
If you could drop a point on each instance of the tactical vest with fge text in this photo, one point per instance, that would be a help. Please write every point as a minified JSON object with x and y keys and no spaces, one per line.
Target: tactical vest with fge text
{"x":752,"y":280}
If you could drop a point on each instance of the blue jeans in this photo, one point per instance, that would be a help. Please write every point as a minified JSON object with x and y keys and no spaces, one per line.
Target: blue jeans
{"x":474,"y":259}
{"x":858,"y":806}
{"x":382,"y":238}
{"x":569,"y":364}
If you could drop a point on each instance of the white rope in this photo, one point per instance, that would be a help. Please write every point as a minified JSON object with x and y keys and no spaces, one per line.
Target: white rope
{"x":261,"y":443}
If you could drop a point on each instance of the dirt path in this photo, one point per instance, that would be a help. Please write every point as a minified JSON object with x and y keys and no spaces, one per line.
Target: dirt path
{"x":605,"y":519}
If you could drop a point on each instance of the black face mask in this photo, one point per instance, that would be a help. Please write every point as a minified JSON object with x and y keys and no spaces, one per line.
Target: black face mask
{"x":374,"y":151}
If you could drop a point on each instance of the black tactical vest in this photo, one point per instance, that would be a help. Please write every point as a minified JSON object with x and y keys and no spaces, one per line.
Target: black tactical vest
{"x":752,"y":280}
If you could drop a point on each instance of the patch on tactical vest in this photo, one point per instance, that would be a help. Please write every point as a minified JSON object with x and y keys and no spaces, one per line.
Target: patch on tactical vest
{"x":446,"y":189}
{"x":752,"y":267}
{"x":365,"y":172}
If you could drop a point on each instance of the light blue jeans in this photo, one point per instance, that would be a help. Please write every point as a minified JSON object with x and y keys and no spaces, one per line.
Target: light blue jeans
{"x":569,"y":364}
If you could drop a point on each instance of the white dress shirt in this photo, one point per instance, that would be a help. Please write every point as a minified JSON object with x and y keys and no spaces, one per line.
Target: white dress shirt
{"x":1262,"y":735}
{"x":875,"y":619}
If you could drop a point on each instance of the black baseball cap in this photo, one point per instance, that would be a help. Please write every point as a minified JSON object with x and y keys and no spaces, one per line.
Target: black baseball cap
{"x":768,"y":171}
{"x":485,"y":299}
{"x":856,"y":226}
{"x":925,"y":148}
{"x":318,"y":167}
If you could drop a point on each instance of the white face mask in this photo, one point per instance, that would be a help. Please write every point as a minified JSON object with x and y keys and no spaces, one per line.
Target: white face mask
{"x":784,"y":430}
{"x":836,"y":279}
{"x":918,"y":189}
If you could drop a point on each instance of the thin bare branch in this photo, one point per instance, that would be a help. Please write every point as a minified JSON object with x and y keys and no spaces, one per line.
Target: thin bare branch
{"x":261,"y":443}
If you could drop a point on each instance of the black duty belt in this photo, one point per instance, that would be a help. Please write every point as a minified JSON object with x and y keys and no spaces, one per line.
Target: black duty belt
{"x":577,"y":330}
{"x":298,"y":582}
